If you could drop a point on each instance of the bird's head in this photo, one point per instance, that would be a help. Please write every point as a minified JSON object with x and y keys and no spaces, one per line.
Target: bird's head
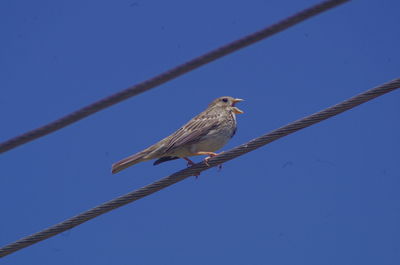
{"x":227,"y":103}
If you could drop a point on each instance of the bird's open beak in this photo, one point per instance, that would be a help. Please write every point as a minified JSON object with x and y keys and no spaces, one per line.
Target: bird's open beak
{"x":235,"y":109}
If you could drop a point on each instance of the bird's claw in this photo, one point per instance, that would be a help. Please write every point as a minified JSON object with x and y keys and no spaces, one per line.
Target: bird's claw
{"x":206,"y":160}
{"x":189,"y":162}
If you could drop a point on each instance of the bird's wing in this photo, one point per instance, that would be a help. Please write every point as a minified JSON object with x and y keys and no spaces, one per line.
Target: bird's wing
{"x":193,"y":131}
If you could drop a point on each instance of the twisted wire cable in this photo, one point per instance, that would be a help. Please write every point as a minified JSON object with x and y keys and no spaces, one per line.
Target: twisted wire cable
{"x":167,"y":76}
{"x":197,"y":168}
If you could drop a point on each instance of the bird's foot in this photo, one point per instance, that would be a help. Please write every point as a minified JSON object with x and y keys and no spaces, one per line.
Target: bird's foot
{"x":219,"y":167}
{"x":189,"y":164}
{"x":210,"y":154}
{"x":206,"y":160}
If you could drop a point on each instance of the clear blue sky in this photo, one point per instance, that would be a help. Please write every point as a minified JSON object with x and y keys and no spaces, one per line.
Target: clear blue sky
{"x":328,"y":194}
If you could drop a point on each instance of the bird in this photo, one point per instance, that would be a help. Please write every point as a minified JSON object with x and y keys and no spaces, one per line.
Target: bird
{"x":204,"y":134}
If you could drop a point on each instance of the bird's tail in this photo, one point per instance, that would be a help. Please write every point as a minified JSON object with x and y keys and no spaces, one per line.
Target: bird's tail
{"x":147,"y":154}
{"x":129,"y":161}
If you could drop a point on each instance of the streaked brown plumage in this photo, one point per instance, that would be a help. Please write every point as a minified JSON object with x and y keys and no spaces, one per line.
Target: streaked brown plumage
{"x":202,"y":135}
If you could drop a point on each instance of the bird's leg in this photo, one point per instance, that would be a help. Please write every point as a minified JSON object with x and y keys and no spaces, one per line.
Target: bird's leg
{"x":189,"y":162}
{"x":210,"y":154}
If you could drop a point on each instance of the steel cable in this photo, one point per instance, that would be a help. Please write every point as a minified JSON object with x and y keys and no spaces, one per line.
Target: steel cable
{"x":197,"y":168}
{"x":167,"y":76}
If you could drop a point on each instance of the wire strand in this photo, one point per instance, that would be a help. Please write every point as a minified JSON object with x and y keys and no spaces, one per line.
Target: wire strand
{"x":197,"y":168}
{"x":167,"y":76}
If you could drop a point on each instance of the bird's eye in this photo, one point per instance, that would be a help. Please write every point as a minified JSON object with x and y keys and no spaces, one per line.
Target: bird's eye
{"x":225,"y":100}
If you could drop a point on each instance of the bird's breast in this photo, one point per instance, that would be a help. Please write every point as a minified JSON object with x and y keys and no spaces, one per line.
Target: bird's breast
{"x":216,"y":138}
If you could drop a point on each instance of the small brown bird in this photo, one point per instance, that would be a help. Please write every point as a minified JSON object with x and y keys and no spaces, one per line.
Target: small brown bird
{"x":202,"y":135}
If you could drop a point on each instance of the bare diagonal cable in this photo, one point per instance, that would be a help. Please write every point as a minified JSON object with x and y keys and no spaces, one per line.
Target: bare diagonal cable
{"x":168,"y":75}
{"x":180,"y":175}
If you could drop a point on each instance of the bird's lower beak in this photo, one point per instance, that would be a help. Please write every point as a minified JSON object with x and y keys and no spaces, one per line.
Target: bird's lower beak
{"x":235,"y":109}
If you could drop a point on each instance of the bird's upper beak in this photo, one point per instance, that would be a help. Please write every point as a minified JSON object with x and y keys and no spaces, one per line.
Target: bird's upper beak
{"x":235,"y":109}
